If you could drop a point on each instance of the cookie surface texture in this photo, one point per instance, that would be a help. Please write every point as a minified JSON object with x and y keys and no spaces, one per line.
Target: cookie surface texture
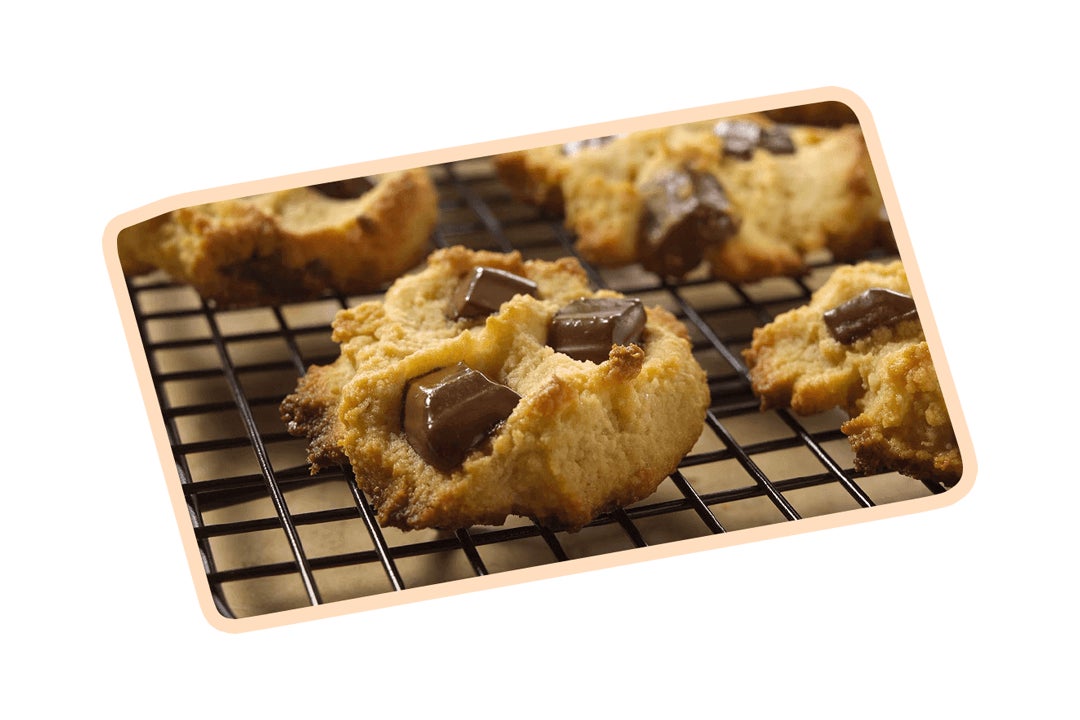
{"x":813,"y":189}
{"x":584,"y":438}
{"x":289,"y":245}
{"x":884,"y":379}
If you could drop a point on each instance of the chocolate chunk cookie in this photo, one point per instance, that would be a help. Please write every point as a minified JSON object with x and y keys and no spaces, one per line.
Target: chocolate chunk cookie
{"x":747,"y":196}
{"x":543,"y":398}
{"x":859,"y":345}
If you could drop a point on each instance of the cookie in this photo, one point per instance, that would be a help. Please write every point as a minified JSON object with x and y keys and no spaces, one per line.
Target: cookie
{"x":859,"y":345}
{"x":460,"y":401}
{"x":748,"y":197}
{"x":350,"y":236}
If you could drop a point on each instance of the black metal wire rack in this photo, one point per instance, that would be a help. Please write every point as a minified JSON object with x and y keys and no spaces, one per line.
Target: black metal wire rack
{"x":273,"y":537}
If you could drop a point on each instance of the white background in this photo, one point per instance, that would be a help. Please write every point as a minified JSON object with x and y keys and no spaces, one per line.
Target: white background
{"x":963,"y":609}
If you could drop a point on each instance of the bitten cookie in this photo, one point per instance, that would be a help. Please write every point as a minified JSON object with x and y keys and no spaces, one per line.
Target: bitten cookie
{"x":859,"y":345}
{"x":475,"y":390}
{"x":351,"y":236}
{"x":744,"y":194}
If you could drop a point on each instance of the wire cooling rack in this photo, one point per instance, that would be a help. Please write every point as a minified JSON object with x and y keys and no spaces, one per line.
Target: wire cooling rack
{"x":273,"y":537}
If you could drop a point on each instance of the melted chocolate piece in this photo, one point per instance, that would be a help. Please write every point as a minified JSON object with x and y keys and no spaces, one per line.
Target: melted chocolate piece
{"x":683,"y":213}
{"x":588,"y":328}
{"x":742,"y":137}
{"x":450,"y":411}
{"x":874,"y":308}
{"x":576,"y":146}
{"x":484,"y":290}
{"x":349,"y":189}
{"x":777,"y":141}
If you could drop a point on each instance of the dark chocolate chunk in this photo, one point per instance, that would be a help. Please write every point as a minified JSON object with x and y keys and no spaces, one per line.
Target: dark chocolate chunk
{"x":741,"y":137}
{"x":349,"y":189}
{"x":576,"y":146}
{"x":683,"y":213}
{"x":874,"y":308}
{"x":450,"y":411}
{"x":588,"y":328}
{"x":777,"y":141}
{"x":484,"y":290}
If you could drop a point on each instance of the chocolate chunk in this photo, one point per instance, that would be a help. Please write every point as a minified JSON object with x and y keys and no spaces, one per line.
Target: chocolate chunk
{"x":683,"y":213}
{"x":874,"y":308}
{"x":450,"y":411}
{"x":484,"y":290}
{"x":576,"y":146}
{"x":345,"y":189}
{"x":777,"y":141}
{"x":741,"y":137}
{"x":588,"y":328}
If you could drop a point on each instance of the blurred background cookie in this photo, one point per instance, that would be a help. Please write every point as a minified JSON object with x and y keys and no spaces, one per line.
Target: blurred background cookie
{"x":348,"y":236}
{"x":744,"y":196}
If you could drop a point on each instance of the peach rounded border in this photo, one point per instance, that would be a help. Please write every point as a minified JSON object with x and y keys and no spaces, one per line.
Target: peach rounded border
{"x":569,"y":567}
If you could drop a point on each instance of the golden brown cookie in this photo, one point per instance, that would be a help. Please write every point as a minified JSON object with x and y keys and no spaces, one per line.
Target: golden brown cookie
{"x":560,"y":439}
{"x":349,"y":236}
{"x":858,"y":345}
{"x":744,"y":194}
